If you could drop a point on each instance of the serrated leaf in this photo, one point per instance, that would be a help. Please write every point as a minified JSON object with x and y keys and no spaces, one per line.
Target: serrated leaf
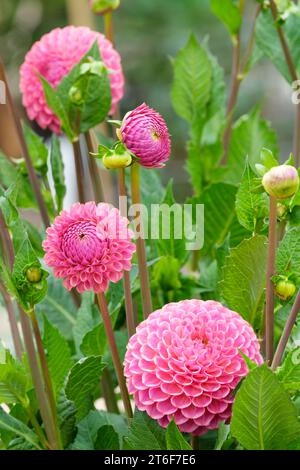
{"x":249,"y":135}
{"x":107,"y":439}
{"x":81,"y":383}
{"x":192,"y":80}
{"x":67,"y":419}
{"x":58,"y":355}
{"x":250,"y":206}
{"x":13,"y":381}
{"x":37,"y":150}
{"x":289,"y":372}
{"x":57,"y":169}
{"x":174,"y":438}
{"x":8,"y":424}
{"x":288,"y":253}
{"x":89,"y":426}
{"x":144,"y":434}
{"x":244,"y":278}
{"x":229,"y":13}
{"x":263,"y":417}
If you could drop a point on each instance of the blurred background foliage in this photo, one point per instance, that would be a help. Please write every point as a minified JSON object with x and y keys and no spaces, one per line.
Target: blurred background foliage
{"x":148,"y":34}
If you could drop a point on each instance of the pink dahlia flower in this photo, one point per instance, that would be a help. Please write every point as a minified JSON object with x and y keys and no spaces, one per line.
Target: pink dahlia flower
{"x":145,"y":133}
{"x":89,"y":246}
{"x":53,"y":56}
{"x":184,"y":363}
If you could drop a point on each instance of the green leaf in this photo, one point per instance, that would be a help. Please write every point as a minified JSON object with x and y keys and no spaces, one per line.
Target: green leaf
{"x":13,"y":381}
{"x":58,"y":355}
{"x":174,"y":438}
{"x":223,"y":433}
{"x":88,"y":428}
{"x":57,"y":168}
{"x":268,"y":41}
{"x":144,"y":434}
{"x":249,"y":135}
{"x":219,"y":202}
{"x":59,"y":307}
{"x":67,"y":419}
{"x":88,"y":317}
{"x":166,"y":273}
{"x":244,"y":278}
{"x":82,"y":381}
{"x":264,"y":418}
{"x":107,"y":439}
{"x":192,"y":80}
{"x":37,"y":150}
{"x":8,"y":424}
{"x":288,"y":253}
{"x":289,"y":372}
{"x":229,"y":13}
{"x":250,"y":206}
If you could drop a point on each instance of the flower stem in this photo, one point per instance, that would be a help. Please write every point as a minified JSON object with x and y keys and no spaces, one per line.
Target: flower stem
{"x":93,"y":168}
{"x":79,"y":170}
{"x":25,"y":154}
{"x":114,"y":352}
{"x":140,"y":243}
{"x":108,"y":392}
{"x":39,"y":432}
{"x":294,"y":77}
{"x":108,"y":26}
{"x":286,"y":332}
{"x":45,"y":372}
{"x":194,"y":442}
{"x":12,"y":321}
{"x":130,"y":318}
{"x":269,"y":315}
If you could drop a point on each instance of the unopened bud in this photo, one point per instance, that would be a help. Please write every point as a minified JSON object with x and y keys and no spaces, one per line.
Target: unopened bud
{"x":34,"y":274}
{"x":285,"y":289}
{"x":114,"y":161}
{"x":281,"y":210}
{"x":281,"y":181}
{"x":75,"y":95}
{"x":100,"y":7}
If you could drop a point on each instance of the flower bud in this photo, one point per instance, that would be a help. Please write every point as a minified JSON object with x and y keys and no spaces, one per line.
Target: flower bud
{"x":100,"y":7}
{"x":34,"y":274}
{"x":285,"y":289}
{"x":75,"y":95}
{"x":281,"y":210}
{"x":281,"y":181}
{"x":113,"y":161}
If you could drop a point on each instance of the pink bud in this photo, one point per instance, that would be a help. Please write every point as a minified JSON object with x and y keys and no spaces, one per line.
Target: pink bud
{"x":281,"y":181}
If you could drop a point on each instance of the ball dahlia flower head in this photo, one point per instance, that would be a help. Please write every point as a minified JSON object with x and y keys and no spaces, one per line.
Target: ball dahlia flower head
{"x":146,"y":135}
{"x":184,"y":362}
{"x":88,"y":246}
{"x":53,"y":57}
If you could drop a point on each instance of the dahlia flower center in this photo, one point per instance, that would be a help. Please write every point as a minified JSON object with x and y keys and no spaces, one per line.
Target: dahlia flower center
{"x":81,"y":243}
{"x":155,"y":135}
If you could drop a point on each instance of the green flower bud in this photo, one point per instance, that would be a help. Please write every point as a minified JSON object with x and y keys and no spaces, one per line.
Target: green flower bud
{"x":34,"y":274}
{"x":281,"y":181}
{"x":281,"y":210}
{"x":75,"y":95}
{"x":100,"y":7}
{"x":113,"y":160}
{"x":285,"y":289}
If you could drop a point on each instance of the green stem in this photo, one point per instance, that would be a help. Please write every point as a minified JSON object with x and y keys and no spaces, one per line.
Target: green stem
{"x":140,"y":243}
{"x":79,"y":170}
{"x":269,"y":315}
{"x":12,"y":321}
{"x":114,"y":352}
{"x":286,"y":332}
{"x":194,"y":442}
{"x":37,"y":428}
{"x":108,"y":26}
{"x":108,"y":392}
{"x":93,"y":168}
{"x":45,"y":372}
{"x":130,"y":318}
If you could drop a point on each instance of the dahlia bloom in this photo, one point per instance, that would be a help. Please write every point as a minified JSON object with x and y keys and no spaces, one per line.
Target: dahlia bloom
{"x":53,"y":56}
{"x":89,"y":246}
{"x":145,"y":133}
{"x":184,"y":363}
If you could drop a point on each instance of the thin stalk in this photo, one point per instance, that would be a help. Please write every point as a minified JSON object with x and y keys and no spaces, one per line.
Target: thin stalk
{"x":286,"y":333}
{"x":44,"y":405}
{"x":45,"y":372}
{"x":140,"y":243}
{"x":12,"y":322}
{"x":114,"y":352}
{"x":194,"y":442}
{"x":108,"y":26}
{"x":38,"y":430}
{"x":233,"y":94}
{"x":130,"y":318}
{"x":294,"y":76}
{"x":93,"y":168}
{"x":108,"y":392}
{"x":25,"y":153}
{"x":251,"y":42}
{"x":79,"y":170}
{"x":269,"y":314}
